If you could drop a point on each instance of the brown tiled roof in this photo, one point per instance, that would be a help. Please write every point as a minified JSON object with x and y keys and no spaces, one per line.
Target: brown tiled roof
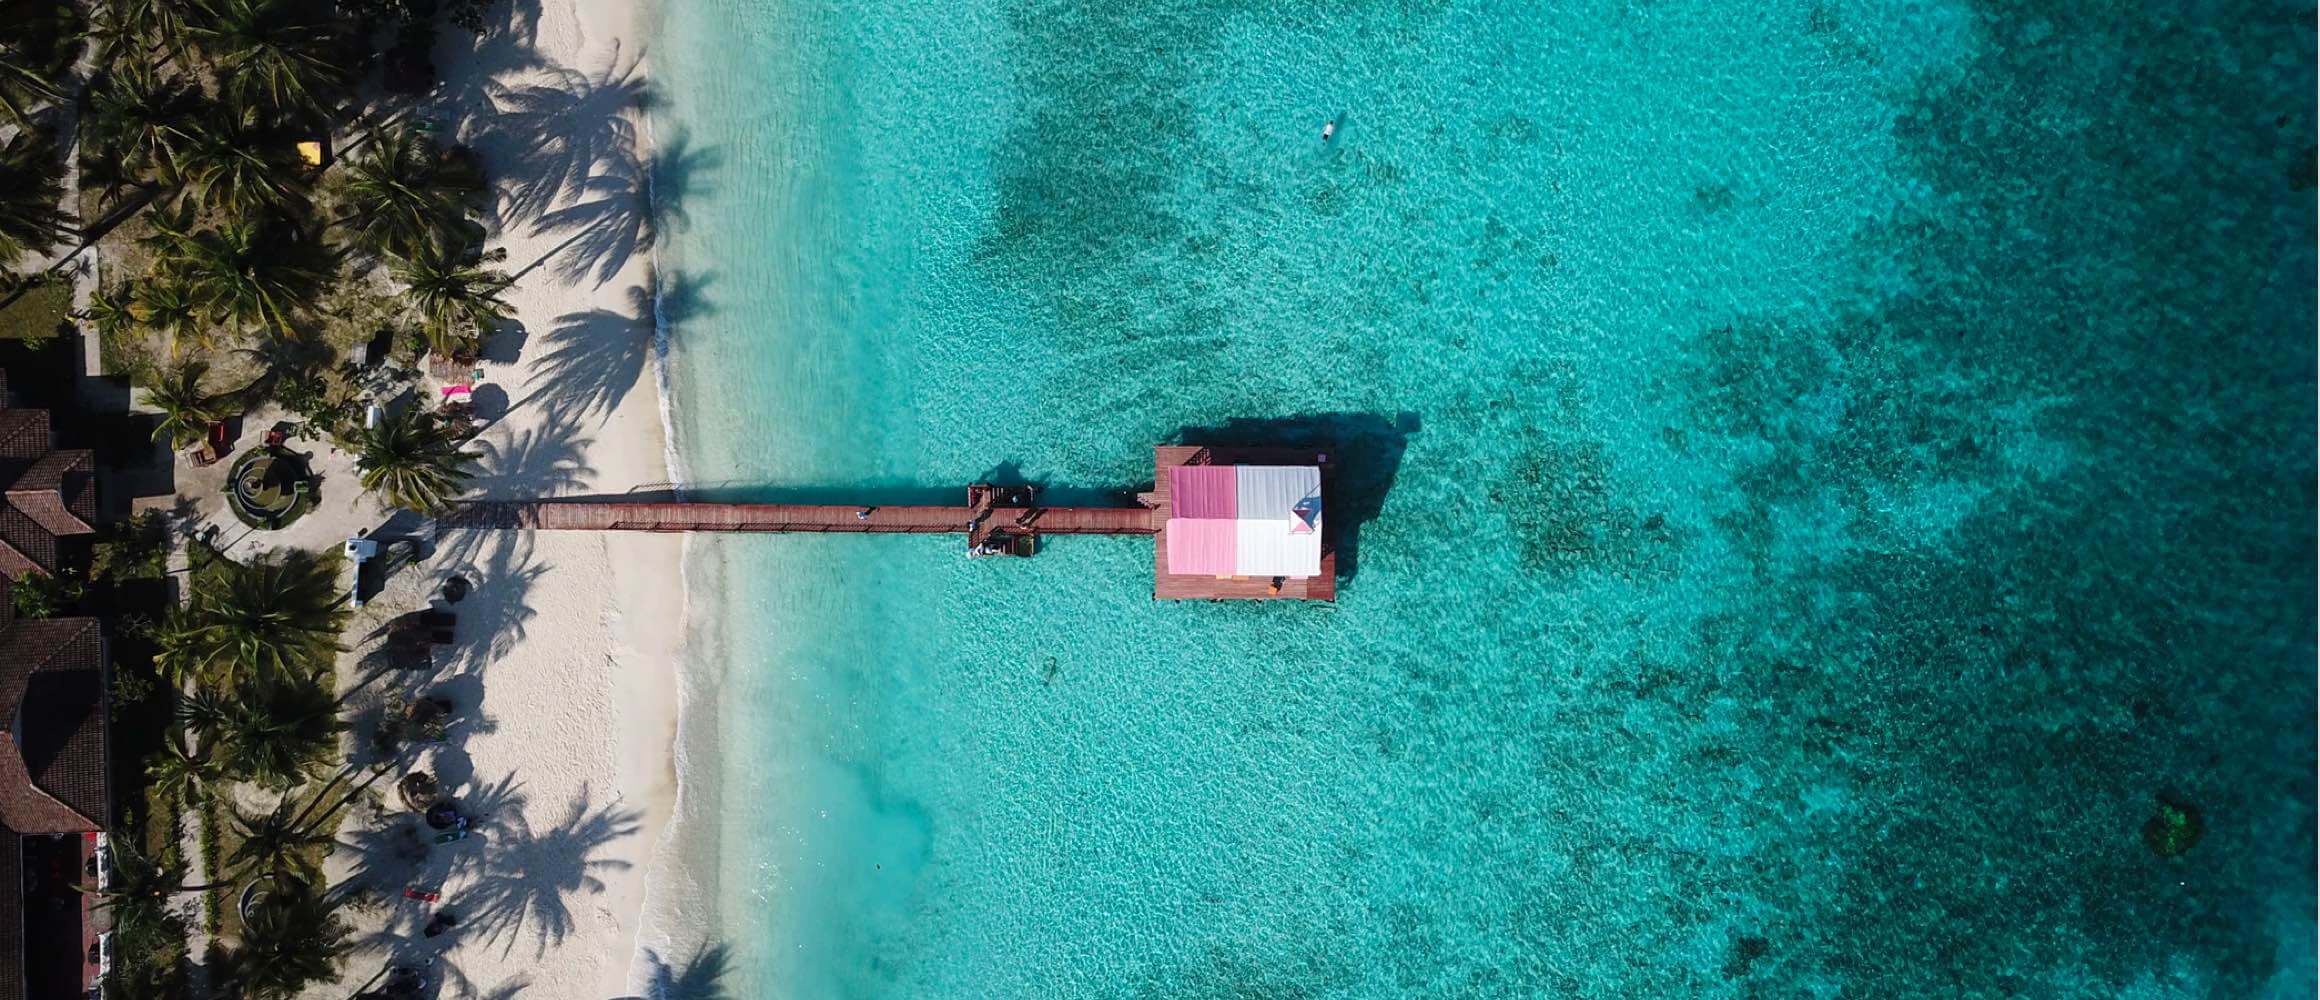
{"x":37,"y":545}
{"x":50,"y":493}
{"x":14,"y":563}
{"x":52,"y":697}
{"x":52,"y":754}
{"x":55,"y":492}
{"x":24,"y":434}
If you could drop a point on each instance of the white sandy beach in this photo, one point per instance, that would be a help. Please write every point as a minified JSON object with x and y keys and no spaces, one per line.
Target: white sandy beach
{"x":568,"y":648}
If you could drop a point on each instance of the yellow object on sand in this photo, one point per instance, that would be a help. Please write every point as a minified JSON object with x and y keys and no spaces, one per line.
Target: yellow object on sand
{"x":311,"y":152}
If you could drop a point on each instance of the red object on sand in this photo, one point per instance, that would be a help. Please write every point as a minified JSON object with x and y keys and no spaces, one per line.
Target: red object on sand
{"x":457,"y":390}
{"x":422,"y":896}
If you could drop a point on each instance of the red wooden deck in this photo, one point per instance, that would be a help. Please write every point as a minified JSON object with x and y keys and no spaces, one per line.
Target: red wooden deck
{"x":1175,"y":587}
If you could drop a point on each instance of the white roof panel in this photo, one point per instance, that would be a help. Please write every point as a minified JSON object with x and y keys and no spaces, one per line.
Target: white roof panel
{"x":1271,"y":492}
{"x":1263,"y":547}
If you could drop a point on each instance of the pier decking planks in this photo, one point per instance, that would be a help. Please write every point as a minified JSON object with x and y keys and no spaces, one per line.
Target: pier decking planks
{"x":990,"y":511}
{"x":559,"y":515}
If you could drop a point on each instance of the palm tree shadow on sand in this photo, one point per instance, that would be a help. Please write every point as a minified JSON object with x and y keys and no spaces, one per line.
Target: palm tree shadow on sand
{"x":524,"y":879}
{"x":594,"y":358}
{"x":702,"y":977}
{"x":506,"y":882}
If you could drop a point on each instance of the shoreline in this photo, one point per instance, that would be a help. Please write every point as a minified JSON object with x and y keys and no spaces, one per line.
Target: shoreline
{"x":685,"y":845}
{"x":578,"y":666}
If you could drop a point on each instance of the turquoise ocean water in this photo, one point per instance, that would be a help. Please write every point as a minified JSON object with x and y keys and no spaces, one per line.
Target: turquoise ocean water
{"x":1818,"y":475}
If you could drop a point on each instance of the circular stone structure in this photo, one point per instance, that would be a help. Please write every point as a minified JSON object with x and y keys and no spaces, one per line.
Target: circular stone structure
{"x":268,"y":488}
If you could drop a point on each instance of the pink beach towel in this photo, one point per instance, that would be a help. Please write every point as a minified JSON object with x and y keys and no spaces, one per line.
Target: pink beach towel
{"x":457,"y":390}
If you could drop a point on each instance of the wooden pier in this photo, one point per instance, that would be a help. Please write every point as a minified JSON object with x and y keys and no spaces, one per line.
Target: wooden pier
{"x":997,"y":520}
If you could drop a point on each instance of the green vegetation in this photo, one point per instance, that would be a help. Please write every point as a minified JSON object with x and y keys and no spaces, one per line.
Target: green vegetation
{"x":460,"y":301}
{"x":38,"y":43}
{"x":30,"y":191}
{"x":36,"y":310}
{"x":268,"y":489}
{"x":275,"y":618}
{"x":213,"y":849}
{"x":415,"y":459}
{"x":405,"y":194}
{"x":254,"y":274}
{"x":2175,"y":828}
{"x":137,"y":548}
{"x":148,"y":938}
{"x":230,"y":259}
{"x":187,"y":407}
{"x":294,"y":938}
{"x":45,"y":595}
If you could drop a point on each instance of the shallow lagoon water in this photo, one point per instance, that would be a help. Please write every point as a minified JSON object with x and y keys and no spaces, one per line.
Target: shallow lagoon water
{"x":1822,"y":472}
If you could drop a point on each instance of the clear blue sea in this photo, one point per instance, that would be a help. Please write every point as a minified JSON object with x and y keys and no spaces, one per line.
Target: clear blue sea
{"x":1816,"y":477}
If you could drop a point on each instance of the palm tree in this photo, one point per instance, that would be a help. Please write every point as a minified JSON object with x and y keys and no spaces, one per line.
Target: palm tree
{"x":270,"y":55}
{"x":137,"y":875}
{"x":278,"y":733}
{"x":142,"y":120}
{"x":460,"y":301}
{"x":166,"y":308}
{"x":414,"y":459}
{"x":31,"y":54}
{"x":108,"y":312}
{"x":245,"y":272}
{"x":187,"y":409}
{"x":203,"y":710}
{"x":31,"y":185}
{"x":232,"y":165}
{"x":282,"y":842}
{"x":405,"y":193}
{"x":275,"y":618}
{"x":292,"y":939}
{"x":179,"y":774}
{"x":130,"y":30}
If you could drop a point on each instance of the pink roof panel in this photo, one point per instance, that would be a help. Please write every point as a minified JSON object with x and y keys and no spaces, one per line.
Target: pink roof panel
{"x":1201,"y":547}
{"x":1204,"y":491}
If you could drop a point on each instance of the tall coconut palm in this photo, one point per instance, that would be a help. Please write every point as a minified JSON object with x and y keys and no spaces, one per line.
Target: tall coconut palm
{"x":203,"y":709}
{"x":180,"y":774}
{"x":460,"y":301}
{"x":145,"y":929}
{"x":247,"y":273}
{"x":31,"y":186}
{"x":275,"y":618}
{"x":32,"y":54}
{"x":278,"y":733}
{"x":280,"y":57}
{"x":292,"y":939}
{"x":278,"y":842}
{"x":230,"y":164}
{"x":404,"y":193}
{"x":415,"y":460}
{"x":142,"y":119}
{"x":134,"y":30}
{"x":186,"y":405}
